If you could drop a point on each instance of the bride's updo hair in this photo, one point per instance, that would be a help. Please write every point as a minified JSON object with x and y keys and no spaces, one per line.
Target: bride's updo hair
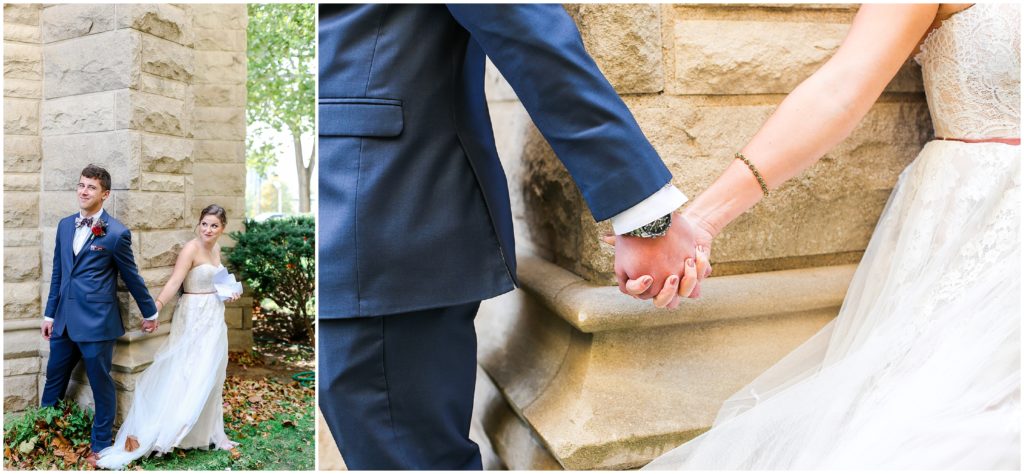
{"x":215,"y":211}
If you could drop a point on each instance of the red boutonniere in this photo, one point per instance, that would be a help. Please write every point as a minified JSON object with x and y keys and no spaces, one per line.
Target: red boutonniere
{"x":99,"y":229}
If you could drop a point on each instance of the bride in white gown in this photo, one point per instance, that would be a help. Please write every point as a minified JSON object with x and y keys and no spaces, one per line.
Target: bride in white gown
{"x":178,"y":401}
{"x":921,"y":368}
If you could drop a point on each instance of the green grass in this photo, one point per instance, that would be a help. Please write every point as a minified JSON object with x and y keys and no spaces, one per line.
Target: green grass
{"x":269,"y":445}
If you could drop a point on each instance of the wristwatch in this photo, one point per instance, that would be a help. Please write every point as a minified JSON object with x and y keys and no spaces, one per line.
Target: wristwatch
{"x":657,"y":228}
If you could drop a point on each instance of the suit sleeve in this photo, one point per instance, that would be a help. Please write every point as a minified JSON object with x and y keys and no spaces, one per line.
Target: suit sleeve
{"x":55,"y":279}
{"x":538,"y":50}
{"x":125,"y":261}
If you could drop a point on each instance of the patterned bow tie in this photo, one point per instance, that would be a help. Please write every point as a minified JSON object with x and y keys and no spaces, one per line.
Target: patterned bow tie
{"x":83,"y":221}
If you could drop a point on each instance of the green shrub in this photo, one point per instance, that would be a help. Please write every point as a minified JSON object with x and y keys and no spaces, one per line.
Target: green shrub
{"x":275,"y":258}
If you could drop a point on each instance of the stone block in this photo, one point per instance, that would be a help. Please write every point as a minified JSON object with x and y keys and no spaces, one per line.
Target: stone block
{"x":625,"y":41}
{"x":239,"y":339}
{"x":20,"y":392}
{"x":220,"y":151}
{"x":21,"y":300}
{"x":23,"y":61}
{"x":22,"y":238}
{"x":167,"y":59}
{"x":21,"y":366}
{"x":220,"y":16}
{"x":218,"y":95}
{"x":78,"y":114}
{"x":165,"y":154}
{"x":95,"y":63}
{"x":161,"y":248}
{"x":163,"y":86}
{"x":219,"y":179}
{"x":166,"y":21}
{"x":219,"y":39}
{"x":150,"y":210}
{"x":750,"y":57}
{"x":233,"y":318}
{"x":21,"y":116}
{"x":72,"y":20}
{"x":21,"y":210}
{"x":22,"y":154}
{"x":163,"y":182}
{"x":21,"y":265}
{"x":54,"y":206}
{"x":67,"y":155}
{"x":219,"y":123}
{"x":152,"y":113}
{"x":21,"y":33}
{"x":22,"y":337}
{"x":21,"y":182}
{"x":22,"y":13}
{"x":506,"y":441}
{"x":219,"y":67}
{"x":26,"y":89}
{"x":156,"y":277}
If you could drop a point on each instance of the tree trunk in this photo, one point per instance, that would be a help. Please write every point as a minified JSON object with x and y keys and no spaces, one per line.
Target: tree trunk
{"x":304,"y":171}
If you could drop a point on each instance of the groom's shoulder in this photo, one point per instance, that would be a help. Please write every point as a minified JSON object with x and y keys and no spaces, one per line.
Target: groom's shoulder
{"x":115,"y":226}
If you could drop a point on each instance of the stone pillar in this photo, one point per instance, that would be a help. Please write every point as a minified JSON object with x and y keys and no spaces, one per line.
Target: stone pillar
{"x":116,"y":85}
{"x":218,"y":175}
{"x":23,"y":81}
{"x":597,"y":380}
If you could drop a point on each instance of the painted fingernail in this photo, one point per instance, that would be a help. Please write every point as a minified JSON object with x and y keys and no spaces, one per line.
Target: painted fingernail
{"x":672,"y":280}
{"x":646,"y":280}
{"x":689,"y":262}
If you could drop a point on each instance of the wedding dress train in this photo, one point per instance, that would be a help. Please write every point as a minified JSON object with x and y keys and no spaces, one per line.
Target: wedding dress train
{"x":178,"y":400}
{"x":921,"y":368}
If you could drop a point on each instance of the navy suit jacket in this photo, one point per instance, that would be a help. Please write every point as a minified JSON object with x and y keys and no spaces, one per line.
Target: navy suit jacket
{"x":414,"y":209}
{"x":83,"y":287}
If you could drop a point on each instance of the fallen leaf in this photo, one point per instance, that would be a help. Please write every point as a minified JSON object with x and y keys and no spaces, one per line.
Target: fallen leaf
{"x":235,"y":454}
{"x":131,"y":444}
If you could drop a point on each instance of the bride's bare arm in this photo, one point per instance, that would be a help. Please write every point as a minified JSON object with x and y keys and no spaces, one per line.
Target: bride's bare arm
{"x":181,"y":268}
{"x":820,"y":112}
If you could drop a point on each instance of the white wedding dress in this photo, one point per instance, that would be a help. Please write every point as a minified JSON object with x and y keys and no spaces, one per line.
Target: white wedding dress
{"x":921,"y":368}
{"x":178,"y":400}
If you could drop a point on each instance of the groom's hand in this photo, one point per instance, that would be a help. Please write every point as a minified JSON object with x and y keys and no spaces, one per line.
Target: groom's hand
{"x":47,"y":329}
{"x":663,"y":259}
{"x":149,"y":325}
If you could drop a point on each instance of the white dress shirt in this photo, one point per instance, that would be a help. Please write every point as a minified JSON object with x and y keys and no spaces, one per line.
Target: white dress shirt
{"x":664,"y":201}
{"x":78,"y":243}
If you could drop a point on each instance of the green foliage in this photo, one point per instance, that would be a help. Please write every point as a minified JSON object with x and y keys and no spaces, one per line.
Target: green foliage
{"x":48,"y":436}
{"x":259,"y":156}
{"x":281,"y":83}
{"x":276,"y":260}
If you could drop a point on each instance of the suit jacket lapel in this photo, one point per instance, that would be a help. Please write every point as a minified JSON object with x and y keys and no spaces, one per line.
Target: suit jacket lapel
{"x":85,"y":246}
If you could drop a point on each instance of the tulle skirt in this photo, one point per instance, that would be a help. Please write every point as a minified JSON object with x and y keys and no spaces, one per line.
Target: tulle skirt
{"x":178,"y":400}
{"x":921,"y":368}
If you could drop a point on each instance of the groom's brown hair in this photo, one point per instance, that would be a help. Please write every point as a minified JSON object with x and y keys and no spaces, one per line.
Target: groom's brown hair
{"x":95,"y":172}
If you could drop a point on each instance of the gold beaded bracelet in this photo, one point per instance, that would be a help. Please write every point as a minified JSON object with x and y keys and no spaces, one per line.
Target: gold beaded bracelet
{"x":753,"y":169}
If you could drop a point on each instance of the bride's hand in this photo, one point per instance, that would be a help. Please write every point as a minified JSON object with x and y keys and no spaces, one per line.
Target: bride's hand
{"x":234,"y":297}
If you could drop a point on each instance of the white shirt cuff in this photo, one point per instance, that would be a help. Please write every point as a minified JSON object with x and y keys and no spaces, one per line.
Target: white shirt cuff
{"x":47,"y":319}
{"x":157,"y":315}
{"x":664,"y":201}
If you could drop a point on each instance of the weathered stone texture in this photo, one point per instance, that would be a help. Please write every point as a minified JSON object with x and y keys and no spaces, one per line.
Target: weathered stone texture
{"x":149,"y":210}
{"x":167,"y":59}
{"x":220,"y":151}
{"x":21,"y":366}
{"x":22,"y":154}
{"x":22,"y":88}
{"x":114,"y":151}
{"x":223,"y":16}
{"x":71,"y":20}
{"x":78,"y":114}
{"x":21,"y":33}
{"x":625,"y":41}
{"x":22,"y":61}
{"x":21,"y":182}
{"x":22,"y":13}
{"x":165,"y":21}
{"x":20,"y":392}
{"x":219,"y":123}
{"x":152,"y":113}
{"x":209,"y":39}
{"x":161,"y":248}
{"x":219,"y":67}
{"x":219,"y":95}
{"x":21,"y":238}
{"x":20,"y":265}
{"x":21,"y":116}
{"x":21,"y":301}
{"x":95,"y":63}
{"x":21,"y":209}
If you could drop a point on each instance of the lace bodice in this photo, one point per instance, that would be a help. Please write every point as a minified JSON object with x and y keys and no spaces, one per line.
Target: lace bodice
{"x":971,"y":69}
{"x":200,"y":278}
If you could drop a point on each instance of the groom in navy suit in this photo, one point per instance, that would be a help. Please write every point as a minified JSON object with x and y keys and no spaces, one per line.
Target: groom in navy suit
{"x":82,"y":320}
{"x":414,"y":213}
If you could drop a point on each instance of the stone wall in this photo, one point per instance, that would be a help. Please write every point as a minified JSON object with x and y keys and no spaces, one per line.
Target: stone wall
{"x":594,"y":379}
{"x":156,"y":94}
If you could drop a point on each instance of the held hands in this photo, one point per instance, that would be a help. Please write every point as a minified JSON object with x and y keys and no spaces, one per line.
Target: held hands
{"x":664,"y":268}
{"x":234,"y":297}
{"x":150,"y":326}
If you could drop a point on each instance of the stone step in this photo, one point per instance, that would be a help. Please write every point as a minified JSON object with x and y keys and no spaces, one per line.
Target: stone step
{"x":603,"y":381}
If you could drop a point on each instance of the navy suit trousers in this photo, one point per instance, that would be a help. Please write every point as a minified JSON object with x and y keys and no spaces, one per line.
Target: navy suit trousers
{"x":397,"y":391}
{"x":97,"y":358}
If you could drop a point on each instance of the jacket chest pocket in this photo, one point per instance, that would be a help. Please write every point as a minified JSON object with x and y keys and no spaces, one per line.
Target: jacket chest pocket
{"x":360,"y":117}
